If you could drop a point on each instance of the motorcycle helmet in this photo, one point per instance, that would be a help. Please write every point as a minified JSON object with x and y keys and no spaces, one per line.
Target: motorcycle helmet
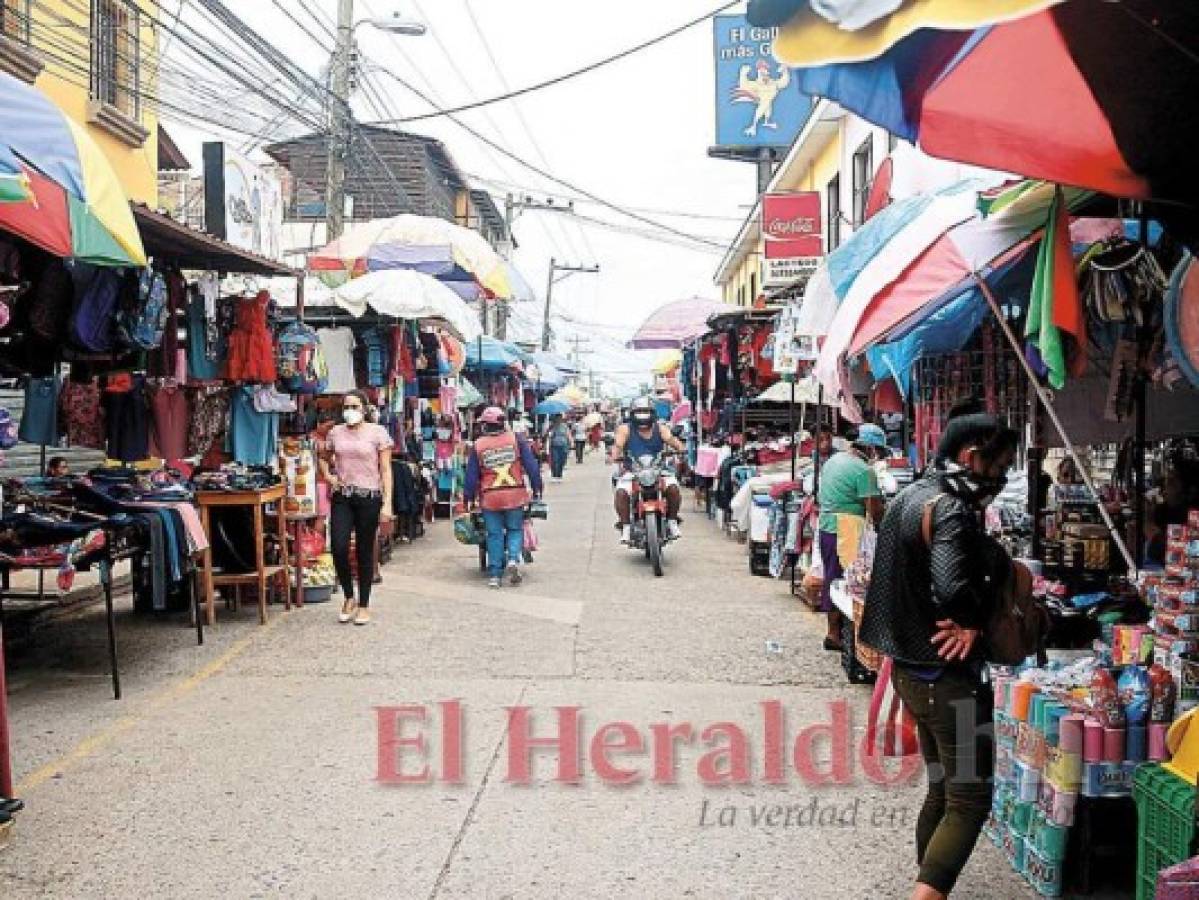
{"x":643,"y":414}
{"x":492,"y":420}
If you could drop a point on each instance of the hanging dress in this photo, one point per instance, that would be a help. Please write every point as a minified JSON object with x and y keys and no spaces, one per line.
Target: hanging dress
{"x":251,"y":349}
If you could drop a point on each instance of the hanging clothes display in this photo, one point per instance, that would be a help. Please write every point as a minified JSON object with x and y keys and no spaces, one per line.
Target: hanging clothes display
{"x":39,"y":419}
{"x":338,"y":346}
{"x":209,"y":408}
{"x":205,"y":344}
{"x":251,"y":348}
{"x":126,"y":421}
{"x":253,"y":437}
{"x":81,"y":414}
{"x":169,"y":421}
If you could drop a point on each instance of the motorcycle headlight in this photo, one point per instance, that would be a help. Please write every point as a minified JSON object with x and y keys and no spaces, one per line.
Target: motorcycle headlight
{"x":647,"y":478}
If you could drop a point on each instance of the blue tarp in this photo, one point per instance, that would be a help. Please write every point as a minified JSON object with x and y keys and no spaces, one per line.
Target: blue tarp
{"x":551,"y":377}
{"x":551,"y":408}
{"x":496,"y":354}
{"x":947,"y":324}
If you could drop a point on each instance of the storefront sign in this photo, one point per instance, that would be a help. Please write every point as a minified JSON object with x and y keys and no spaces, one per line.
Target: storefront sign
{"x":243,"y":203}
{"x":758,"y":103}
{"x":778,"y":273}
{"x":791,"y":225}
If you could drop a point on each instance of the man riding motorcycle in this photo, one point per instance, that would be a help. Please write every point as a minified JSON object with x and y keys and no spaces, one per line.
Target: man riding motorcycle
{"x":644,"y":435}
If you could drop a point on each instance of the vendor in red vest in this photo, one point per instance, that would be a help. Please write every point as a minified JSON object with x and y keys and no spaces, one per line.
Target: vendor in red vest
{"x":502,"y":475}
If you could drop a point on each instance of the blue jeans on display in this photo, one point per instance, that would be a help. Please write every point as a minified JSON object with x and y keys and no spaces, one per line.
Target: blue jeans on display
{"x":505,"y":532}
{"x":558,"y":454}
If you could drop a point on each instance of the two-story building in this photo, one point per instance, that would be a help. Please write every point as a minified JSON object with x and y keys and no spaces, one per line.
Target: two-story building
{"x":388,"y":173}
{"x":835,"y":155}
{"x":96,"y":60}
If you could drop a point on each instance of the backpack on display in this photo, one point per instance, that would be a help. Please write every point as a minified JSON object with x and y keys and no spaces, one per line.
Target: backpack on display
{"x":143,"y":318}
{"x":97,"y":296}
{"x":301,"y":362}
{"x":51,"y":302}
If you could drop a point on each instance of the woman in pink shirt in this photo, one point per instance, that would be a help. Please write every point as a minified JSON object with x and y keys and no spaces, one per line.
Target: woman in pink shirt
{"x":356,"y":464}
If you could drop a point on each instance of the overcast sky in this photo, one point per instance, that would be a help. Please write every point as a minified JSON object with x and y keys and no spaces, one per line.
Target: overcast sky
{"x":635,"y":133}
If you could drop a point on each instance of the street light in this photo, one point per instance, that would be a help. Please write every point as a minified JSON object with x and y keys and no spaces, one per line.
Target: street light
{"x":396,"y":24}
{"x":339,"y":138}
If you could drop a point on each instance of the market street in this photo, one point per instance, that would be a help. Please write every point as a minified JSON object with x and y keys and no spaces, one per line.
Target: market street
{"x":247,"y":767}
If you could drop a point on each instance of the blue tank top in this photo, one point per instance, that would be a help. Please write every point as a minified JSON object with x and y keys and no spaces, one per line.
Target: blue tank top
{"x":637,"y":446}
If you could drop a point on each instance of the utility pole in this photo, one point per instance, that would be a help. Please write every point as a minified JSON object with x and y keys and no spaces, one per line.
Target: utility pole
{"x":339,"y":122}
{"x":513,"y":207}
{"x":567,"y":271}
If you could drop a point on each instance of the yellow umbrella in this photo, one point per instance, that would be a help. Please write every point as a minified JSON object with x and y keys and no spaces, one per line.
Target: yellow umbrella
{"x":811,"y":40}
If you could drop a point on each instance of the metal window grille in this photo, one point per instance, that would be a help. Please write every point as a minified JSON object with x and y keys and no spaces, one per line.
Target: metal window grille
{"x":863,"y":178}
{"x":116,"y":67}
{"x":14,"y":20}
{"x":833,"y":205}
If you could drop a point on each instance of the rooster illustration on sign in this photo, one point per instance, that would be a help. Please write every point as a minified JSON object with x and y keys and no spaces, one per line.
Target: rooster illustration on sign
{"x":762,"y":90}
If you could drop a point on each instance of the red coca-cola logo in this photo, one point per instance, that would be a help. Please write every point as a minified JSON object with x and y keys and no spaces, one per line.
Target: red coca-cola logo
{"x":799,"y":226}
{"x":791,"y":225}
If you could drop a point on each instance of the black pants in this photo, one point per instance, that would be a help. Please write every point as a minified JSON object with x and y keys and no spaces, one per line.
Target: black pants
{"x":954,"y":721}
{"x":580,"y":446}
{"x":358,"y":516}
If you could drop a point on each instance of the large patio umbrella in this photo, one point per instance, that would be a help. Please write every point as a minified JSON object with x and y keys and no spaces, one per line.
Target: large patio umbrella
{"x":819,"y":31}
{"x":673,"y":325}
{"x":62,"y":192}
{"x":552,"y":407}
{"x":427,"y":244}
{"x":1098,"y":95}
{"x":405,"y":294}
{"x":929,"y":261}
{"x":492,"y":355}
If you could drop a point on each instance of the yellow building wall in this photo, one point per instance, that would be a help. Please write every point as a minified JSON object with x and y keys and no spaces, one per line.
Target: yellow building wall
{"x":61,"y":33}
{"x":814,"y":177}
{"x":744,"y":278}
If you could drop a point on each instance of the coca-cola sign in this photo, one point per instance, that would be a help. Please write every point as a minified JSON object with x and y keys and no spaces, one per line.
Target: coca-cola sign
{"x":791,"y":225}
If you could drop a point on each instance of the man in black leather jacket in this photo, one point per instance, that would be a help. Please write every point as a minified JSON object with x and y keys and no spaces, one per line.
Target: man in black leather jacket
{"x":931,"y":592}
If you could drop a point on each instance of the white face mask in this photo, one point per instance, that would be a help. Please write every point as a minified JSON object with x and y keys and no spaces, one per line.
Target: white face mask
{"x":352,"y":416}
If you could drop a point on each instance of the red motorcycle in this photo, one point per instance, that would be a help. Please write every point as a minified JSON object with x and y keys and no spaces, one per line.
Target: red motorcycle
{"x":648,"y":530}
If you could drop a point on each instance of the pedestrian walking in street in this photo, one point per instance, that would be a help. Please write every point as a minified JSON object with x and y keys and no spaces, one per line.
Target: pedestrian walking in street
{"x":356,"y":464}
{"x":848,"y":498}
{"x":502,"y":475}
{"x":937,"y":578}
{"x":580,"y":435}
{"x":559,"y":439}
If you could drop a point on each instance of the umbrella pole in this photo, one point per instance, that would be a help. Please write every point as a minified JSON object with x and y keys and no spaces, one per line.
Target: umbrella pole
{"x":791,"y":426}
{"x":816,"y":453}
{"x":1047,"y":405}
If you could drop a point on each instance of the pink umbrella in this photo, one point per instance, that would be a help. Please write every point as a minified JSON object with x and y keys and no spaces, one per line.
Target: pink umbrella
{"x":675,"y":324}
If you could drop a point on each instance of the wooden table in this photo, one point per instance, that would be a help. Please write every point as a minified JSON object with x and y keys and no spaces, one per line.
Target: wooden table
{"x":263,"y":574}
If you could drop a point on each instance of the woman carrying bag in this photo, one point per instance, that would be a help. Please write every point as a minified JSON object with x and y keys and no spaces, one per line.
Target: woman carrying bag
{"x":938,"y":605}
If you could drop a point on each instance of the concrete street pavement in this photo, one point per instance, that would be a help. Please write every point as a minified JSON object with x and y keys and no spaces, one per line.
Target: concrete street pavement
{"x":247,"y":767}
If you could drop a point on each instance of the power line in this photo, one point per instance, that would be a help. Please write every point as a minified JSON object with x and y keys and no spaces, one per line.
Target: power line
{"x":674,"y":214}
{"x":435,"y":33}
{"x":551,"y":82}
{"x":553,"y":178}
{"x":516,"y":108}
